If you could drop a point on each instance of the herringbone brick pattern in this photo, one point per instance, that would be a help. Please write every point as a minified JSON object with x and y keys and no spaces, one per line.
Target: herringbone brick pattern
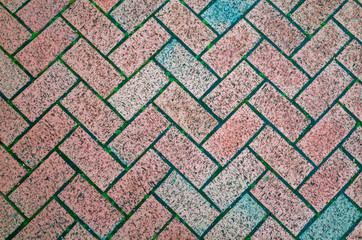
{"x":180,"y":120}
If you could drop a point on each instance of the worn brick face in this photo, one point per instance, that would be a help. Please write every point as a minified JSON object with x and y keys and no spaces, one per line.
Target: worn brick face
{"x":351,"y":58}
{"x":10,"y":219}
{"x":353,"y":100}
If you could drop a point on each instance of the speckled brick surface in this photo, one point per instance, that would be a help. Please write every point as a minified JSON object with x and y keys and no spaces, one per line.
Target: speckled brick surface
{"x":180,"y":120}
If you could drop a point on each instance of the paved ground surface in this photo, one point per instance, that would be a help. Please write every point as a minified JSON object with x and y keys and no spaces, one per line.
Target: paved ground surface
{"x":195,"y":119}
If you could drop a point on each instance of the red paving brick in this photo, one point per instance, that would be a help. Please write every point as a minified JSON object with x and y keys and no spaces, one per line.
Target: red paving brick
{"x":350,"y":17}
{"x":353,"y":144}
{"x":285,"y":5}
{"x":176,"y":230}
{"x":106,"y":5}
{"x":356,"y":233}
{"x":197,"y":5}
{"x":271,"y":229}
{"x":351,"y":58}
{"x":79,"y":232}
{"x":13,"y":5}
{"x":10,"y":219}
{"x":352,"y":100}
{"x":354,"y":190}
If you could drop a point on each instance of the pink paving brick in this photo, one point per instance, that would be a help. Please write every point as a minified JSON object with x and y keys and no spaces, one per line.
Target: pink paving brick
{"x":37,"y":13}
{"x":233,"y":135}
{"x":176,"y":230}
{"x":227,"y":186}
{"x":96,"y":27}
{"x":12,"y":78}
{"x":50,"y":223}
{"x":350,"y":17}
{"x":189,"y":204}
{"x":328,"y":180}
{"x":13,"y":5}
{"x":91,"y":158}
{"x":44,"y":91}
{"x":353,"y":144}
{"x":94,"y":114}
{"x":274,"y":25}
{"x":137,"y":136}
{"x":321,"y":93}
{"x":282,"y":203}
{"x":285,"y":5}
{"x":138,"y":181}
{"x":356,"y":233}
{"x":13,"y":34}
{"x":43,"y":137}
{"x":321,"y":48}
{"x":355,"y":189}
{"x":139,"y":90}
{"x":10,"y":219}
{"x":145,"y":222}
{"x":197,"y":5}
{"x":93,"y":68}
{"x":351,"y":58}
{"x":10,"y":171}
{"x":137,"y":49}
{"x":186,"y":112}
{"x":281,"y":156}
{"x":186,"y":157}
{"x":106,"y":5}
{"x":46,"y":47}
{"x":270,"y":229}
{"x":230,"y":49}
{"x":279,"y":111}
{"x":312,"y":13}
{"x":99,"y":214}
{"x":353,"y":100}
{"x":185,"y":25}
{"x":278,"y":69}
{"x":239,"y":221}
{"x":326,"y":134}
{"x":225,"y":97}
{"x":41,"y":185}
{"x":131,"y":13}
{"x":12,"y":124}
{"x":78,"y":232}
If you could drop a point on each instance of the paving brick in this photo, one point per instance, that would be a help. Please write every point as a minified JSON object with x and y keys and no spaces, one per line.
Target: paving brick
{"x":50,"y":223}
{"x":12,"y":124}
{"x":321,"y":93}
{"x":137,"y":49}
{"x":351,"y":58}
{"x":138,"y":181}
{"x":92,"y":112}
{"x":270,"y":229}
{"x":326,"y":134}
{"x":328,"y":226}
{"x":185,"y":25}
{"x":285,"y":5}
{"x":13,"y":5}
{"x":350,"y":17}
{"x":13,"y":34}
{"x":228,"y":185}
{"x":230,"y":49}
{"x":131,"y":13}
{"x":12,"y":78}
{"x":90,"y":206}
{"x":328,"y":180}
{"x":44,"y":91}
{"x":223,"y":13}
{"x":321,"y":48}
{"x":186,"y":112}
{"x":189,"y":204}
{"x":312,"y":13}
{"x":93,"y":68}
{"x":41,"y":185}
{"x":78,"y":232}
{"x":106,"y":5}
{"x":139,"y":90}
{"x":353,"y":144}
{"x":95,"y":26}
{"x":281,"y":156}
{"x":274,"y":25}
{"x":10,"y":171}
{"x":185,"y":67}
{"x":139,"y":135}
{"x":239,"y":221}
{"x":197,"y":5}
{"x":46,"y":47}
{"x":233,"y":135}
{"x":226,"y":96}
{"x":356,"y":233}
{"x":176,"y":230}
{"x":279,"y":111}
{"x":90,"y":157}
{"x":10,"y":219}
{"x":282,"y":203}
{"x":43,"y":137}
{"x":37,"y":13}
{"x":278,"y":69}
{"x":355,"y":189}
{"x":145,"y":222}
{"x":186,"y":157}
{"x":353,"y":100}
